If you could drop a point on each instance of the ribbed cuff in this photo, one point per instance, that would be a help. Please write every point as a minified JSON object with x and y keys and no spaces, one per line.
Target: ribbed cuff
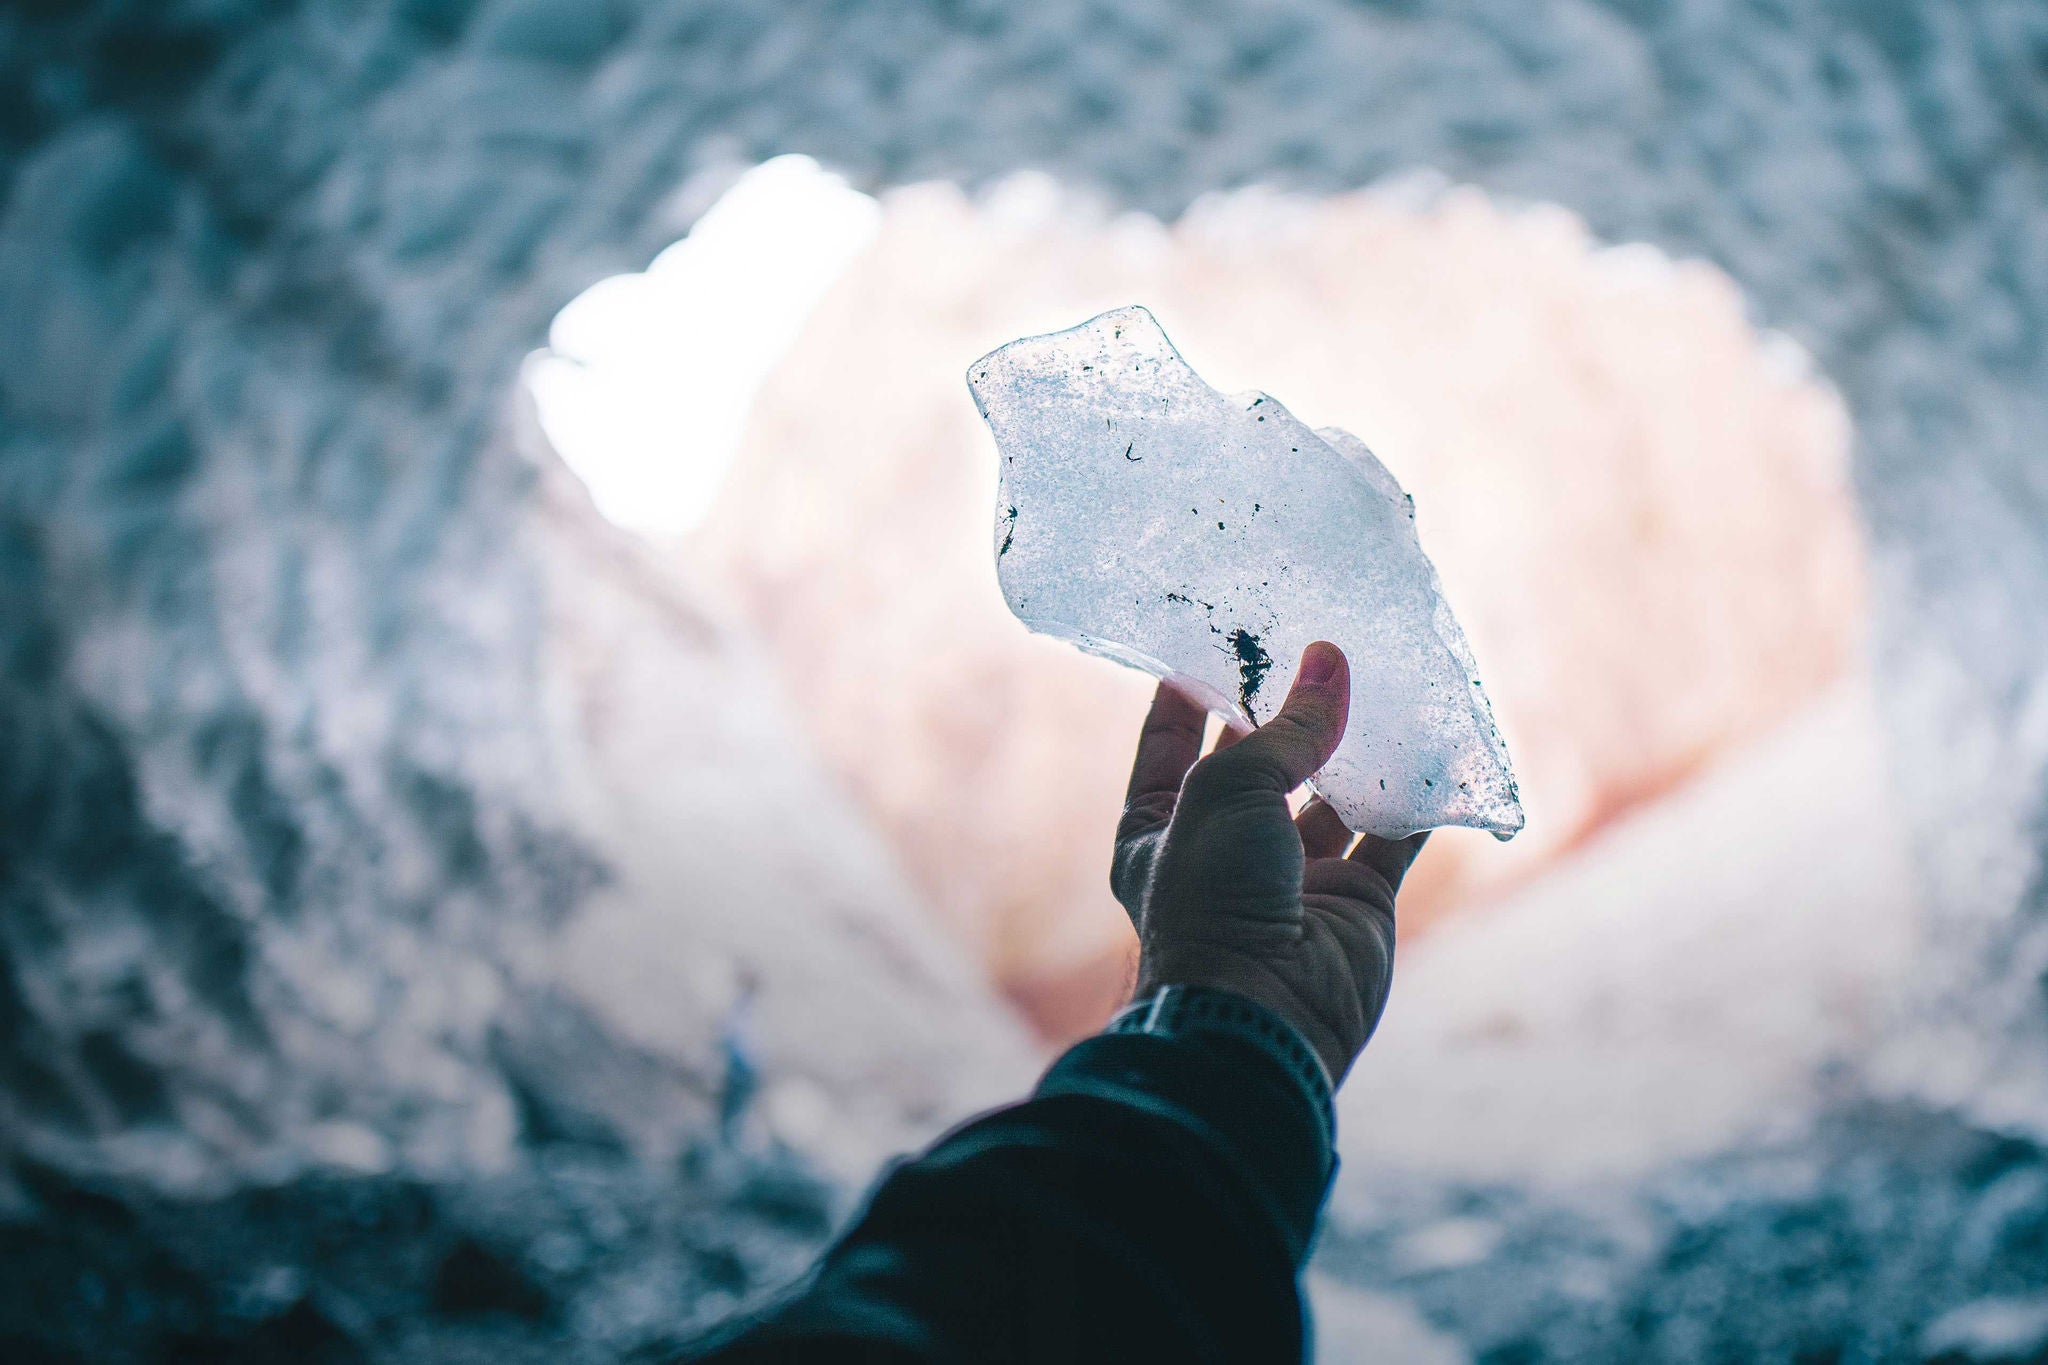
{"x":1230,"y":1069}
{"x":1179,"y":1011}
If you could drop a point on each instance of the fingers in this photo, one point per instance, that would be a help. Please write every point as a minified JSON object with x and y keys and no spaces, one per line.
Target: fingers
{"x":1280,"y":755}
{"x":1323,"y":833}
{"x":1167,"y":747}
{"x":1391,"y":858}
{"x":1227,"y":736}
{"x":1354,"y":898}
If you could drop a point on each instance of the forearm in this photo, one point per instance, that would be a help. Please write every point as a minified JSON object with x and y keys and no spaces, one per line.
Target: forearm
{"x":1154,"y":1198}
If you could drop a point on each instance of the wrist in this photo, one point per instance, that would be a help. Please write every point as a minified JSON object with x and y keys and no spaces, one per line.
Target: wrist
{"x":1264,"y":988}
{"x":1195,"y":1010}
{"x":1223,"y":1094}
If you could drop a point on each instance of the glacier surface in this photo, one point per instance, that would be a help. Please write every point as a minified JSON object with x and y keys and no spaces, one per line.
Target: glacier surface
{"x":1208,"y":539}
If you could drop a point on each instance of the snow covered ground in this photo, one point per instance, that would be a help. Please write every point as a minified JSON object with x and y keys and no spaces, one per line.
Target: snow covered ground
{"x":1675,"y":988}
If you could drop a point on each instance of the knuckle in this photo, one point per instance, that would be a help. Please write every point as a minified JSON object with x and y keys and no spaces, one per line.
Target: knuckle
{"x":1208,"y":780}
{"x":1157,"y":725}
{"x":1156,"y":805}
{"x":1143,"y":814}
{"x":1244,"y":767}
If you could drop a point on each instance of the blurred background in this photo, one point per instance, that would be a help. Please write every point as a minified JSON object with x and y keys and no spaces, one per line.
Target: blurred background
{"x":518,"y":788}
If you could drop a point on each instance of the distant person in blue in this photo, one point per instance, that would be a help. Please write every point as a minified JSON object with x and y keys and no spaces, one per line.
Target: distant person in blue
{"x":1157,"y":1194}
{"x":736,"y":1048}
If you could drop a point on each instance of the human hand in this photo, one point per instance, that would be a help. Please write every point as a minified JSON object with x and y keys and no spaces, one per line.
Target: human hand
{"x":1227,"y":891}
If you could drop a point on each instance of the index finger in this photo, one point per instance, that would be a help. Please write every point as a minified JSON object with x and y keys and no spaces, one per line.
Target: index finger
{"x":1168,"y":745}
{"x":1389,"y":857}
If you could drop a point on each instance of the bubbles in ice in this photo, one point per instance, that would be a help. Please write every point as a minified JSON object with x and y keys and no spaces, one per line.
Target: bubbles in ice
{"x":1209,"y":538}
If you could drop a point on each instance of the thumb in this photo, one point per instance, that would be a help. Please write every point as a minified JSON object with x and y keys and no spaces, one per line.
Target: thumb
{"x":1281,"y":754}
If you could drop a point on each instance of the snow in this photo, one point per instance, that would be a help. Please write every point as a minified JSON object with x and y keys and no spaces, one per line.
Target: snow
{"x":1673,"y":991}
{"x":1990,"y":1330}
{"x":1353,"y":1325}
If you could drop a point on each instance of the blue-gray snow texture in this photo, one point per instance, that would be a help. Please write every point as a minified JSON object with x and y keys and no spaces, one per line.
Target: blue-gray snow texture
{"x":282,"y":813}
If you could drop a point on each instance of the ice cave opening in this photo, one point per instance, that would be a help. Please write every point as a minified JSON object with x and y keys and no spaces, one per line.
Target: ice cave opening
{"x":1638,"y":499}
{"x":647,"y":378}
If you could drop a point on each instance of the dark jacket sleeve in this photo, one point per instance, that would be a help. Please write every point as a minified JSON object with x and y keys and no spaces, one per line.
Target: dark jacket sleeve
{"x":1153,"y":1200}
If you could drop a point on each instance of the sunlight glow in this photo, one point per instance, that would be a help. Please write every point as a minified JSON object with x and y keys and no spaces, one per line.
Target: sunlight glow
{"x":646,"y":384}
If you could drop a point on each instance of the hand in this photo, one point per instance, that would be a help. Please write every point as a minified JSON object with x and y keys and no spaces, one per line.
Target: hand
{"x":1227,"y":891}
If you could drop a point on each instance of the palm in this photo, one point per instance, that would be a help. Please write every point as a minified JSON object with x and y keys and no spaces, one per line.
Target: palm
{"x":1226,"y":889}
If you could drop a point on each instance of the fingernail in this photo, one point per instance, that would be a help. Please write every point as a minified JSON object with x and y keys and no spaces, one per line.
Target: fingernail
{"x":1318,"y":664}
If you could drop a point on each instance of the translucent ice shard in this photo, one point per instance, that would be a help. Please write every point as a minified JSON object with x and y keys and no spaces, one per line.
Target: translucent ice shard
{"x":1208,"y":539}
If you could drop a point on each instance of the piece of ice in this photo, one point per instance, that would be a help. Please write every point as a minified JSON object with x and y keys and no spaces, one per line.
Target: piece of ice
{"x":1208,"y":539}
